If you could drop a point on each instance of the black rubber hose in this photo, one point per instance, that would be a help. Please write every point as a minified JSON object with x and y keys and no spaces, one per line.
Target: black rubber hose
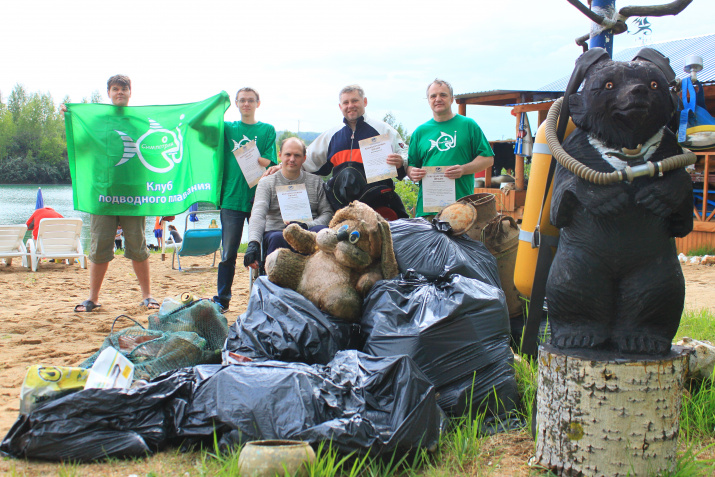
{"x":605,"y":178}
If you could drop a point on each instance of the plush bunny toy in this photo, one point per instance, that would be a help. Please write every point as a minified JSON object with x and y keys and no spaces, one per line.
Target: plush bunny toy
{"x":345,"y":260}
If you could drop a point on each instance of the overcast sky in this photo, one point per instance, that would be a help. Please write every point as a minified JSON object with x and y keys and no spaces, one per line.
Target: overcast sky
{"x":298,"y":54}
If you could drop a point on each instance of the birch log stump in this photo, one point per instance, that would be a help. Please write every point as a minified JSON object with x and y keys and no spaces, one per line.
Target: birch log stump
{"x":608,"y":417}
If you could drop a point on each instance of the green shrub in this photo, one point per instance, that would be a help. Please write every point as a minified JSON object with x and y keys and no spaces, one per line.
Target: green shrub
{"x":407,"y":190}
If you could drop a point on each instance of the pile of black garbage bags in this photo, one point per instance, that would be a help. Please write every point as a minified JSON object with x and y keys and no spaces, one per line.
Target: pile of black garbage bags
{"x":433,"y":344}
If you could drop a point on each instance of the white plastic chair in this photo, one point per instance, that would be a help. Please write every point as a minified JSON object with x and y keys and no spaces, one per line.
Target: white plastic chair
{"x":57,"y":239}
{"x":11,"y":246}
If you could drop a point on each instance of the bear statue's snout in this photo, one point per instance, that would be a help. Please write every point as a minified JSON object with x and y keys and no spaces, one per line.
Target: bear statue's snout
{"x":633,"y":102}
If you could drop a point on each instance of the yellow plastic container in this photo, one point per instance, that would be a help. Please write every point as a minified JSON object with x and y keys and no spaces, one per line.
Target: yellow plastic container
{"x":526,"y":255}
{"x":45,"y":383}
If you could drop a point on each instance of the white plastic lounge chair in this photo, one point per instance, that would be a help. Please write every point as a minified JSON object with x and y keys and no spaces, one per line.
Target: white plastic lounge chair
{"x":11,"y":246}
{"x":57,"y":239}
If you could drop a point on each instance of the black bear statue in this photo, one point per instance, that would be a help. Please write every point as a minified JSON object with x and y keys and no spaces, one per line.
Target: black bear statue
{"x":615,"y":283}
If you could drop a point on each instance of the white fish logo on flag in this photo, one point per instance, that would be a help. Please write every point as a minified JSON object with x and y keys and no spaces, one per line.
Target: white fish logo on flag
{"x":157,"y":142}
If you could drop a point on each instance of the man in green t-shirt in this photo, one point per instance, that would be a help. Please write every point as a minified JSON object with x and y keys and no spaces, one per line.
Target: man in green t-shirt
{"x":448,"y":140}
{"x":236,"y":196}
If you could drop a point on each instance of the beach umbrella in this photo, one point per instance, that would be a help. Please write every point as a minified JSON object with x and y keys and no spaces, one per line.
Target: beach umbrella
{"x":193,"y":208}
{"x":40,"y":202}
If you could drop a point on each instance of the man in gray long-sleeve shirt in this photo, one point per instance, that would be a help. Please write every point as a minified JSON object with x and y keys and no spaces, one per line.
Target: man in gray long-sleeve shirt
{"x":266,"y":220}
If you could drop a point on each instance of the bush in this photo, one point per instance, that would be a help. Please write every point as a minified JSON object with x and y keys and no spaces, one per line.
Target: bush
{"x":407,"y":190}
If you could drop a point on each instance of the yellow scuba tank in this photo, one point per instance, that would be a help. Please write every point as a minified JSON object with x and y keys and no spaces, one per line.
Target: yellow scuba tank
{"x":526,"y":254}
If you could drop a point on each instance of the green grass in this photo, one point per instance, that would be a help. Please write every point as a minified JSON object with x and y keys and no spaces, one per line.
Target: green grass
{"x":697,"y":417}
{"x":697,"y":324}
{"x":700,"y":251}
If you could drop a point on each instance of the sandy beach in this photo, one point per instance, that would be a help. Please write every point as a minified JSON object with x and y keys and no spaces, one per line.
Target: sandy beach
{"x":39,"y":326}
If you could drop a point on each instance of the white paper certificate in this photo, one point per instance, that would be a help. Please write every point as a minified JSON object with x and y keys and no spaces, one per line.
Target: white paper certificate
{"x":438,"y":191}
{"x":374,"y":151}
{"x":294,"y":203}
{"x":247,"y":157}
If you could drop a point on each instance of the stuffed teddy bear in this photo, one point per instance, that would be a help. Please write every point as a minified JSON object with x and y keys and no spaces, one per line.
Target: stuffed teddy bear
{"x":616,"y":283}
{"x":345,"y":260}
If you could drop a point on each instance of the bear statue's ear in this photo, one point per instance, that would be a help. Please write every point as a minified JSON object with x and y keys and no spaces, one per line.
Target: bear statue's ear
{"x":583,"y":63}
{"x":388,"y":264}
{"x":659,"y":60}
{"x":663,"y":64}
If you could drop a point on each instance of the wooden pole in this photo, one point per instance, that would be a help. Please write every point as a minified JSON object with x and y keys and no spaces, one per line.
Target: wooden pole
{"x":542,"y":117}
{"x":610,"y":417}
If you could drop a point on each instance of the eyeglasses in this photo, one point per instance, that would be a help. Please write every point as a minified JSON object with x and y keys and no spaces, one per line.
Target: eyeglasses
{"x":244,"y":101}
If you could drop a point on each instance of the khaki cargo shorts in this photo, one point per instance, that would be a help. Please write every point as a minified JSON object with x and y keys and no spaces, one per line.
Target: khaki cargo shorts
{"x":103,"y":228}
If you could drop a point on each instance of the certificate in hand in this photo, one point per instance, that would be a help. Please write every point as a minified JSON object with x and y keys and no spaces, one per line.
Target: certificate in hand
{"x":438,"y":191}
{"x":374,"y":151}
{"x":294,"y":203}
{"x":247,"y":157}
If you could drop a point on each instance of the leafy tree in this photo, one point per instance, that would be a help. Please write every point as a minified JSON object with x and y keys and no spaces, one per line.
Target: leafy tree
{"x":17,"y":100}
{"x":32,"y":139}
{"x":284,"y":135}
{"x":7,"y":132}
{"x":392,"y":121}
{"x":96,"y":98}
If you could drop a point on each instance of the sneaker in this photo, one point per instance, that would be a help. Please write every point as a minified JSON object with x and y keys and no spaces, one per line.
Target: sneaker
{"x":222,"y":308}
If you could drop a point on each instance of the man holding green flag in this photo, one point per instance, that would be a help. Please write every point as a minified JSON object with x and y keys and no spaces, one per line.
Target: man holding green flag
{"x":127,"y":163}
{"x":103,"y":229}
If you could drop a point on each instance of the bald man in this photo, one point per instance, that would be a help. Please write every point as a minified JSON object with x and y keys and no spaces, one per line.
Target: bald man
{"x":267,"y":223}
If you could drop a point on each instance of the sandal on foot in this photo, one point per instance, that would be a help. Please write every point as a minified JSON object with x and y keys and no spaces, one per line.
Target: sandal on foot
{"x":150,"y":303}
{"x":88,"y":305}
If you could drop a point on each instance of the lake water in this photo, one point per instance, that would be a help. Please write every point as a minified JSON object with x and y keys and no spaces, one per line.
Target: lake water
{"x":17,"y":203}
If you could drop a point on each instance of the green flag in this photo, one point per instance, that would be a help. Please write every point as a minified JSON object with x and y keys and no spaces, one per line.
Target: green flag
{"x":145,"y":160}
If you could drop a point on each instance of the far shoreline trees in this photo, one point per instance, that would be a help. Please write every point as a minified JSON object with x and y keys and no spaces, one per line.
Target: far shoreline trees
{"x":33,"y":146}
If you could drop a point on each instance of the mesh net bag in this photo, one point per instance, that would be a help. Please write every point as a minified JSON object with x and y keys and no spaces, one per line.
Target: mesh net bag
{"x":188,"y":335}
{"x":201,"y":317}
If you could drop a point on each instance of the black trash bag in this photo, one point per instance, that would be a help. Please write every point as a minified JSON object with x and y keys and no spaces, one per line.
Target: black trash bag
{"x":423,"y":248}
{"x":361,"y":403}
{"x":97,"y":423}
{"x":281,"y":324}
{"x":456,"y":330}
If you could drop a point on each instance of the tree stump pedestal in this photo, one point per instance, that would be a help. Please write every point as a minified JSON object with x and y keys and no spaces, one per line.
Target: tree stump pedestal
{"x":599,"y":416}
